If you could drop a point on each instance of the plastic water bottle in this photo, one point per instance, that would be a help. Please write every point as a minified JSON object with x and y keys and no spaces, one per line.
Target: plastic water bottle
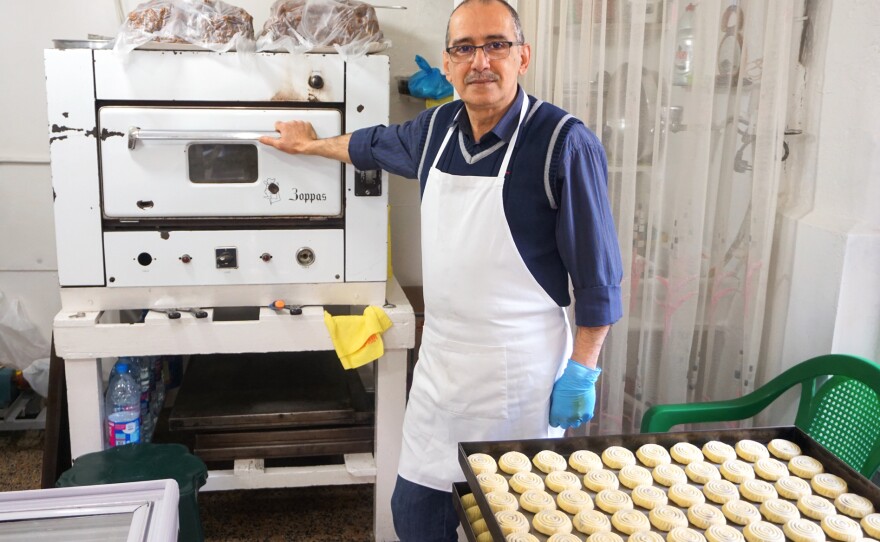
{"x":122,"y":407}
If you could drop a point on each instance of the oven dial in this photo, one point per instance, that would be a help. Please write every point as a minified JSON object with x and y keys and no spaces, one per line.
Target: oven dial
{"x":316,"y":81}
{"x":226,"y":257}
{"x":305,"y":256}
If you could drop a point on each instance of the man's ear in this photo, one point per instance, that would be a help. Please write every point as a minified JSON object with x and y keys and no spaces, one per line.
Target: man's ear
{"x":446,"y":67}
{"x":525,"y":55}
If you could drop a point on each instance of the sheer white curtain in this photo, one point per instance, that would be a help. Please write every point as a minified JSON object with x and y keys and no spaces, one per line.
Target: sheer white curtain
{"x":689,"y":99}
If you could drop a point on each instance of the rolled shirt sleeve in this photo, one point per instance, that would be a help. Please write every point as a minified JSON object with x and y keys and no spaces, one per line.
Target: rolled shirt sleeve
{"x":585,"y":231}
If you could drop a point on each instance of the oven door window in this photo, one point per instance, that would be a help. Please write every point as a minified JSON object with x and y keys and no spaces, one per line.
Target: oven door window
{"x":222,"y":163}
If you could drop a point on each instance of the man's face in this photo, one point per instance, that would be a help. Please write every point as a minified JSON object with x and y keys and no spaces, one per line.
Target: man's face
{"x":483,"y":83}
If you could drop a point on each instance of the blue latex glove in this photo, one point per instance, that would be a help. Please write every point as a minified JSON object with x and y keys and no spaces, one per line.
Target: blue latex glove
{"x":574,"y":396}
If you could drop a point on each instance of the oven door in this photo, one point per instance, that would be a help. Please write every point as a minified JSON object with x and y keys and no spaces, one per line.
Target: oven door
{"x":174,"y":162}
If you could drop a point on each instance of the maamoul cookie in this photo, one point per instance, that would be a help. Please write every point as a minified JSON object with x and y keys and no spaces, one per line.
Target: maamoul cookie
{"x":871,"y":525}
{"x":584,"y":460}
{"x":803,"y":530}
{"x":481,"y":463}
{"x":644,"y":536}
{"x":548,"y":461}
{"x":524,"y":481}
{"x":630,"y":521}
{"x":751,"y":450}
{"x":783,"y":449}
{"x":514,"y":462}
{"x":561,"y":480}
{"x":468,"y":500}
{"x":617,"y":457}
{"x":490,"y":482}
{"x":512,"y":521}
{"x":666,"y":518}
{"x":633,"y":476}
{"x":551,"y":522}
{"x":535,"y":500}
{"x":815,"y":507}
{"x":485,"y":537}
{"x":718,"y":452}
{"x":686,"y":495}
{"x":563,"y":537}
{"x":702,"y":515}
{"x":853,"y":505}
{"x":757,"y":490}
{"x":720,"y":491}
{"x":600,"y":479}
{"x":521,"y":537}
{"x":805,"y":466}
{"x":792,"y":487}
{"x":652,"y":455}
{"x":604,"y":536}
{"x":684,"y":534}
{"x":841,"y":528}
{"x":574,"y":501}
{"x":612,"y":500}
{"x":723,"y":533}
{"x":828,"y":485}
{"x":770,"y":469}
{"x":648,"y":496}
{"x":473,"y":513}
{"x":763,"y":532}
{"x":669,"y":475}
{"x":779,"y":510}
{"x":685,"y":453}
{"x":737,"y":471}
{"x":591,"y":522}
{"x":501,"y":500}
{"x":479,"y":527}
{"x":741,"y":512}
{"x":701,"y":472}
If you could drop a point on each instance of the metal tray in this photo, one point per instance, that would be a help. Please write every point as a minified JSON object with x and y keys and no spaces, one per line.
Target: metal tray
{"x":566,"y":446}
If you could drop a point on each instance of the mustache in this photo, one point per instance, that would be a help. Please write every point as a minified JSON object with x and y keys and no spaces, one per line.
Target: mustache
{"x":480,"y":77}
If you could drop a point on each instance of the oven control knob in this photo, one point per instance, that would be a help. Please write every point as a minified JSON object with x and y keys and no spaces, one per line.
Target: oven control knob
{"x":316,"y":81}
{"x":265,"y":256}
{"x":186,"y":258}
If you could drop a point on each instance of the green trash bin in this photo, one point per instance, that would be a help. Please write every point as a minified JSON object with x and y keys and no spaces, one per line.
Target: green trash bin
{"x":139,"y":462}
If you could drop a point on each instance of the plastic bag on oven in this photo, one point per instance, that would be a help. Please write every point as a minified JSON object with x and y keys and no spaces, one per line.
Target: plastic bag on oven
{"x":299,"y":26}
{"x":210,"y":24}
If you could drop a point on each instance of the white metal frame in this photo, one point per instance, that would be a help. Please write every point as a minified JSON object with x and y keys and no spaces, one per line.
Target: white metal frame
{"x":82,"y":339}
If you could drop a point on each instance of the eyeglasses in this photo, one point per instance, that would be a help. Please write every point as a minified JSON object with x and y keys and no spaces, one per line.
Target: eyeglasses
{"x":494,"y":50}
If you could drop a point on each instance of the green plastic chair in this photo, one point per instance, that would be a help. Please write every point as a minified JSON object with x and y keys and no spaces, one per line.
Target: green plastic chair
{"x":842,"y":413}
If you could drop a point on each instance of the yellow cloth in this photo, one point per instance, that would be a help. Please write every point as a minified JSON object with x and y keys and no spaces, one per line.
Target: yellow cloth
{"x":358,"y":339}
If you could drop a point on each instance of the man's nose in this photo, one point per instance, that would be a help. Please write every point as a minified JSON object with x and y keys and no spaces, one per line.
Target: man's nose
{"x":481,"y":59}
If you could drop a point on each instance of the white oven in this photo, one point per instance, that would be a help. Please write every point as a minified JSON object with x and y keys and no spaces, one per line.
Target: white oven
{"x":165,"y":198}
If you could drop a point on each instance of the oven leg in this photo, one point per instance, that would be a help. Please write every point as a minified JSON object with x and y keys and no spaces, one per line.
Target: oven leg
{"x":390,"y":404}
{"x":85,"y":405}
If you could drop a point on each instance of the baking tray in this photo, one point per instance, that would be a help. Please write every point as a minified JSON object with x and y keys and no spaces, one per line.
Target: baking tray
{"x":566,"y":446}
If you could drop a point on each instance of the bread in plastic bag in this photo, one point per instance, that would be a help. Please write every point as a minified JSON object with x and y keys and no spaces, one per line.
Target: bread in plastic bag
{"x":210,"y":24}
{"x":299,"y":26}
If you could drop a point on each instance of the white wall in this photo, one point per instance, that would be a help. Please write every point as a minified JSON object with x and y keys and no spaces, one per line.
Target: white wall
{"x":27,"y":249}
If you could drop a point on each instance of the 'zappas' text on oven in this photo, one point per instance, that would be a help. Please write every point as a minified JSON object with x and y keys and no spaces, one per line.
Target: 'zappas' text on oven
{"x":307,"y":197}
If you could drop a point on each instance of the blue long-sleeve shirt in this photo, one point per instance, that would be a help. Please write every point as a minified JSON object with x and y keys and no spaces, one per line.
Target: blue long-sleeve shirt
{"x":560,"y":221}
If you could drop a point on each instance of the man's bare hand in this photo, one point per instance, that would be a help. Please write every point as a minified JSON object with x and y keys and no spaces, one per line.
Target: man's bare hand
{"x":296,"y":136}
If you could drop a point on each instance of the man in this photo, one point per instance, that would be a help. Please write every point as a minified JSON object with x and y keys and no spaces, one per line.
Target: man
{"x":514,"y":203}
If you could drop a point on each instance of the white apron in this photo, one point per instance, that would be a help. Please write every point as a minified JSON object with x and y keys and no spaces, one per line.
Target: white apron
{"x":494,"y":340}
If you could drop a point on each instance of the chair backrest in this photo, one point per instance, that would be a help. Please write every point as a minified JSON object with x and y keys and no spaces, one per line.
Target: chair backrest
{"x":844,"y":417}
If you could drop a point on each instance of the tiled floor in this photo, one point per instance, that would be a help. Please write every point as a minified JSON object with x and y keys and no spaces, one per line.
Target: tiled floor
{"x":317,"y":514}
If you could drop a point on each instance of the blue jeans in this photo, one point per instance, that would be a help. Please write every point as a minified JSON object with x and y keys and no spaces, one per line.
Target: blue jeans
{"x":422,"y":514}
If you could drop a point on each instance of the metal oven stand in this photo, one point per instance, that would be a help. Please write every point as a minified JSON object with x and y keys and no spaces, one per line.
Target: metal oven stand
{"x":81,"y":339}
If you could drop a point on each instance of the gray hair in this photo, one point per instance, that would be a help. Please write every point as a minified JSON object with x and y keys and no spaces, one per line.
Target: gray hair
{"x":517,"y":25}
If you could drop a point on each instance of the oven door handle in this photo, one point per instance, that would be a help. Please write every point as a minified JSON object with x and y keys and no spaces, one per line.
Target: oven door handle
{"x":135,"y":134}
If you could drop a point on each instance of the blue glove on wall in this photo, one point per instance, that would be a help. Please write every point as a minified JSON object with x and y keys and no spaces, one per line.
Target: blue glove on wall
{"x":574,"y":396}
